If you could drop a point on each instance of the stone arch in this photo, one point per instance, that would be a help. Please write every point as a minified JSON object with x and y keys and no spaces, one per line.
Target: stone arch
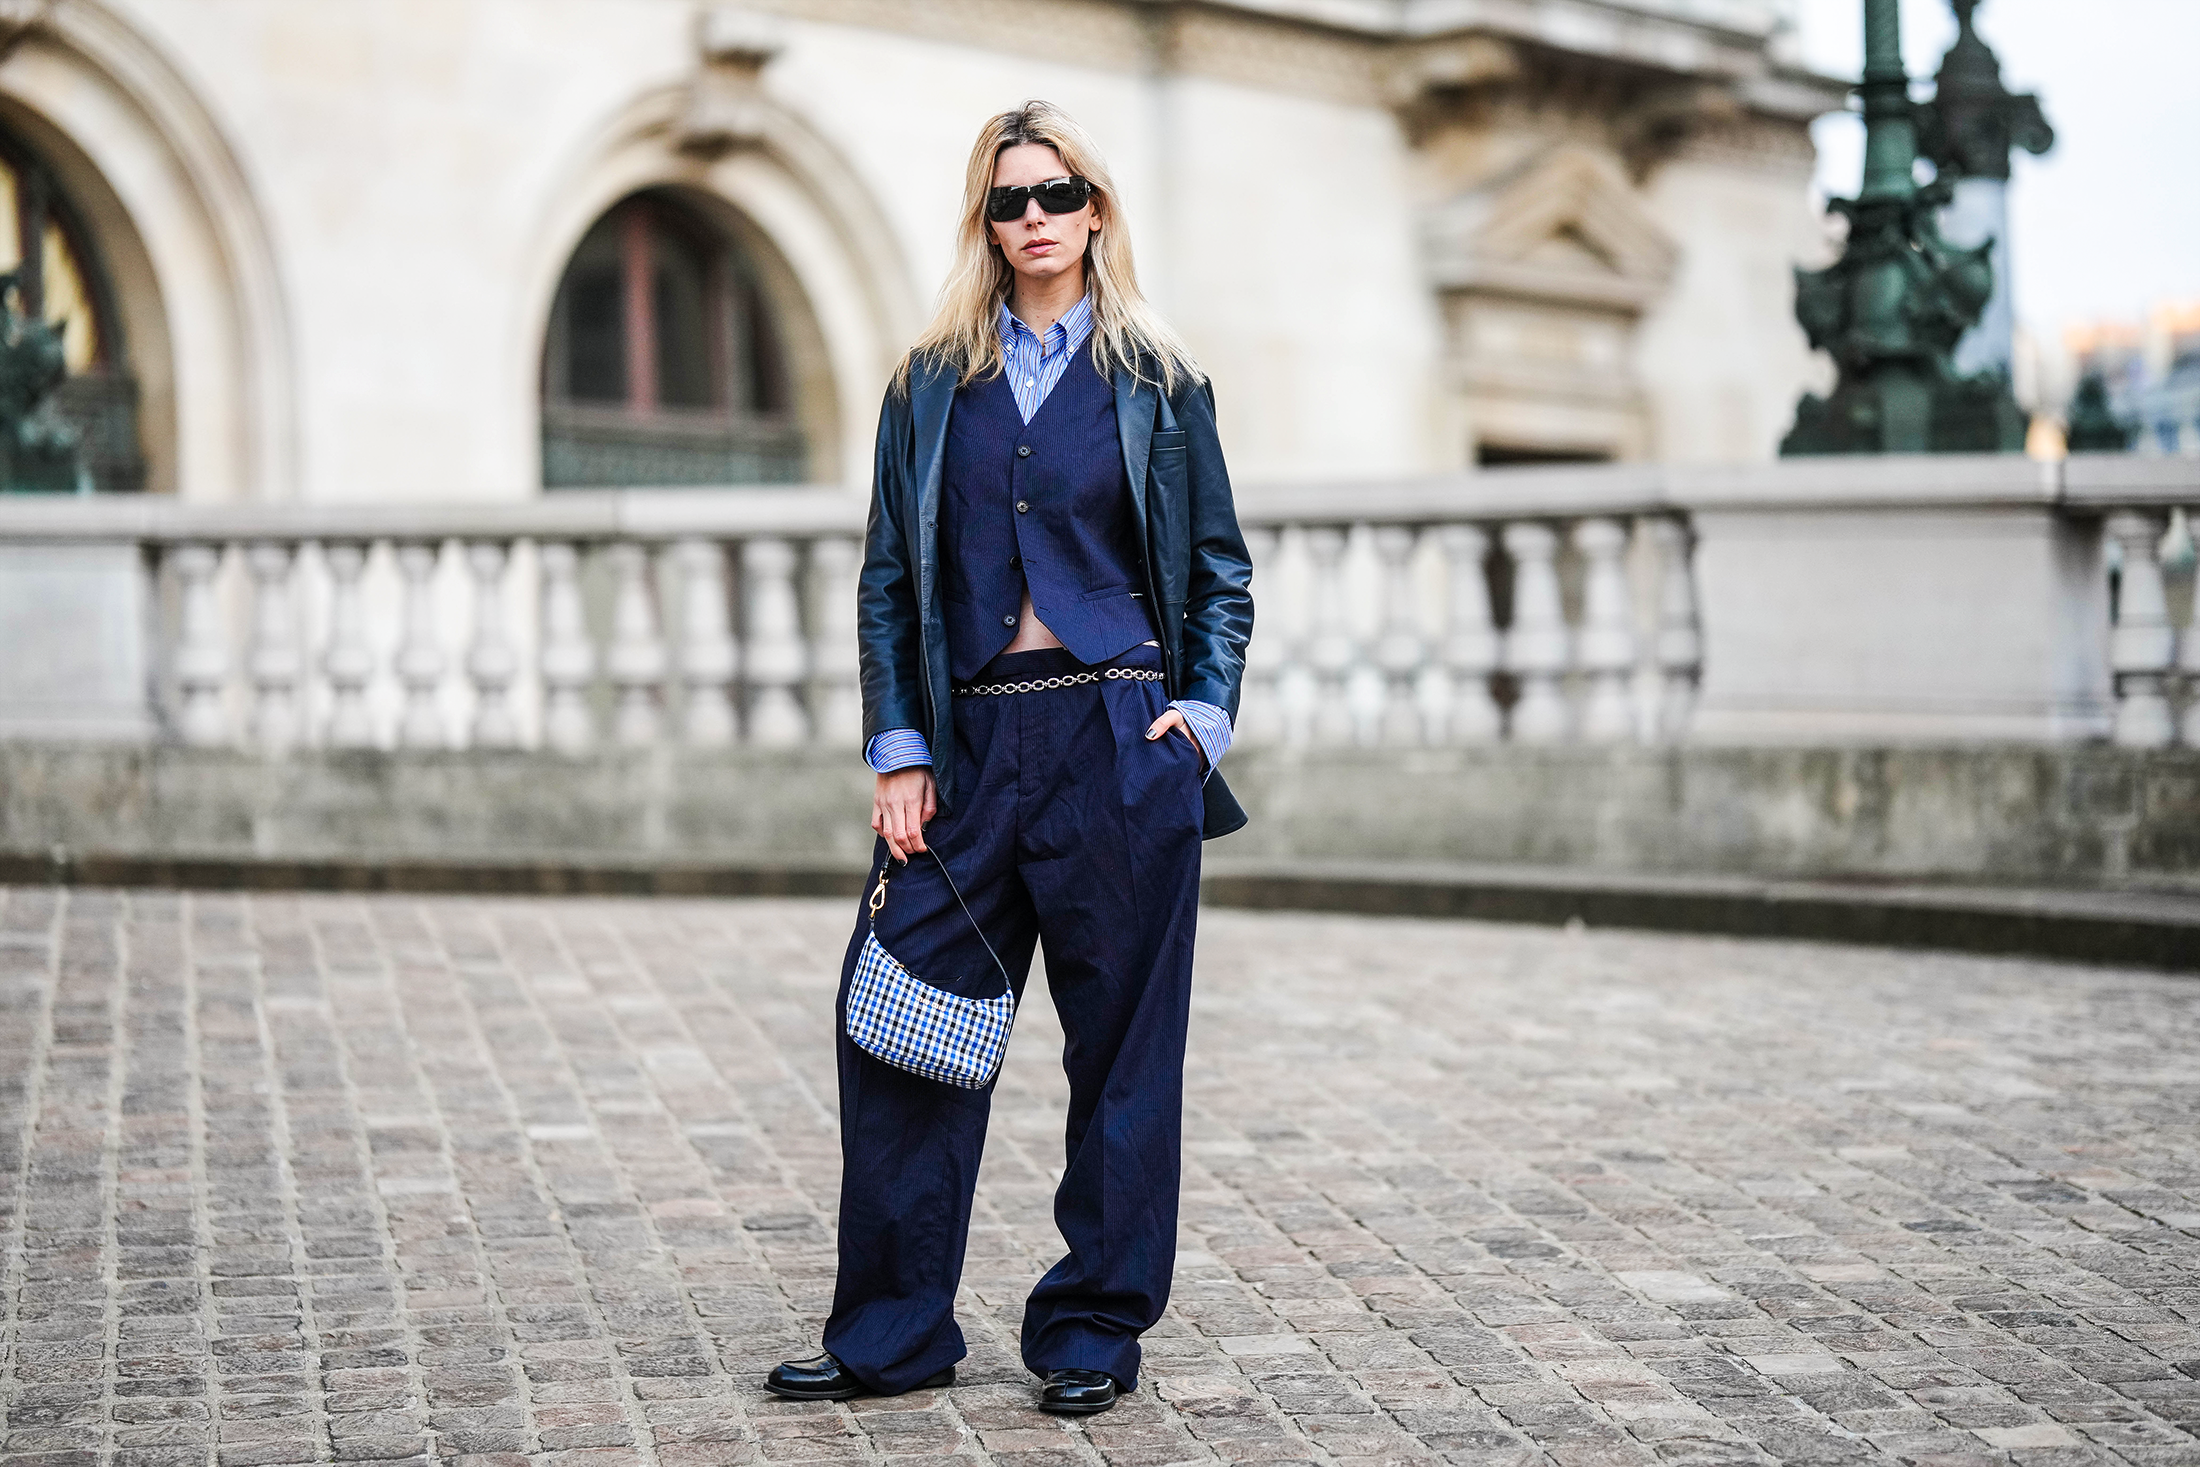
{"x":184,"y":244}
{"x":833,"y":266}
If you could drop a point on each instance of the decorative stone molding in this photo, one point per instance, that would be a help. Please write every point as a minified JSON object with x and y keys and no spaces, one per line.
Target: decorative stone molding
{"x":1665,"y":118}
{"x":1100,"y":33}
{"x":1451,"y":64}
{"x":19,"y":19}
{"x":1544,"y":273}
{"x":1568,"y":229}
{"x":1272,"y":55}
{"x":726,"y":109}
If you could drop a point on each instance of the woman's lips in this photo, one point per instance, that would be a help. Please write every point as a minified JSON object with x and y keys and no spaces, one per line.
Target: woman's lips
{"x":1039,"y":246}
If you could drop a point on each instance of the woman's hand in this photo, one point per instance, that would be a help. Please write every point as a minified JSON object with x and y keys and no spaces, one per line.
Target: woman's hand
{"x":1174,"y":718}
{"x":900,"y":804}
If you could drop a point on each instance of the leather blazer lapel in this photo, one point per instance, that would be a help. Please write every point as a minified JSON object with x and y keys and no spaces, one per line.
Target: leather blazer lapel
{"x":930,"y":400}
{"x":1134,"y":410}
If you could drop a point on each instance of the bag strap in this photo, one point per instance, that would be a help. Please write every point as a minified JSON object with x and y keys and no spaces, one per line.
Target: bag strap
{"x":878,"y":900}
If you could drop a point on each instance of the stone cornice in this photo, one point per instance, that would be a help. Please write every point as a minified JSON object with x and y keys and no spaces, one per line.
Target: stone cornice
{"x":1639,"y":33}
{"x":1368,"y":52}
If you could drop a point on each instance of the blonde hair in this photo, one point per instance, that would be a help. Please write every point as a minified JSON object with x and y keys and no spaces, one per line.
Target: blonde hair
{"x":965,"y":330}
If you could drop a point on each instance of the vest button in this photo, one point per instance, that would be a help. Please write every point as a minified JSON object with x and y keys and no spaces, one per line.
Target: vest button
{"x":1015,"y":560}
{"x":1023,"y":506}
{"x":1008,"y":621}
{"x":1023,"y":450}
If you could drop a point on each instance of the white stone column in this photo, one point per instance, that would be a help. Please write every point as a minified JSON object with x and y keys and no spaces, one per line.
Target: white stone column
{"x":2142,"y":647}
{"x":1260,"y":717}
{"x":1607,"y":642}
{"x":348,"y":661}
{"x":775,"y":652}
{"x":273,"y":662}
{"x":1473,"y":649}
{"x":1401,"y":651}
{"x":492,"y":663}
{"x":202,"y":651}
{"x":1331,"y":651}
{"x":709,"y":657}
{"x":636,"y":660}
{"x":568,"y":657}
{"x":420,"y":660}
{"x":836,"y":692}
{"x":1539,"y":648}
{"x":1680,"y":638}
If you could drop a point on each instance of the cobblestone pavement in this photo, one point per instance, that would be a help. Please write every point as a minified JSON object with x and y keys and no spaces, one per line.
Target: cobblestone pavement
{"x":301,"y":1179}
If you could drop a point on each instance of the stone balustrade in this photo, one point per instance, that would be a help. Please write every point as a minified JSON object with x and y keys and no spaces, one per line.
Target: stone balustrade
{"x":1866,"y":601}
{"x":625,"y":617}
{"x":2148,"y":509}
{"x":1539,"y":608}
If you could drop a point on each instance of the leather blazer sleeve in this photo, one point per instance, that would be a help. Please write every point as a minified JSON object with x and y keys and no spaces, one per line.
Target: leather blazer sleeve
{"x":887,"y":608}
{"x":1218,"y":600}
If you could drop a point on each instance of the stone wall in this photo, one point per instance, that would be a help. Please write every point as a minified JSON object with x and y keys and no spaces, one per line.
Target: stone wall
{"x":217,"y":147}
{"x":2082,"y":816}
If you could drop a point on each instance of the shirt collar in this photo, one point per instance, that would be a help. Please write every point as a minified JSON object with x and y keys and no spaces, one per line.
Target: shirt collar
{"x":1067,"y":334}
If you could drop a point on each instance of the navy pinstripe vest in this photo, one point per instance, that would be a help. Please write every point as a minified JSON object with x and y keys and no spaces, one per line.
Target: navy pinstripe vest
{"x":1046,"y":505}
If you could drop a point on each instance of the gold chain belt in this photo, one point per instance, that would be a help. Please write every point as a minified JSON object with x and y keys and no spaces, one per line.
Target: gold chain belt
{"x":1066,"y":680}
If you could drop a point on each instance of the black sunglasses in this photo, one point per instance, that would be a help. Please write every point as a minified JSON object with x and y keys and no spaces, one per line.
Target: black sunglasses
{"x":1056,"y":196}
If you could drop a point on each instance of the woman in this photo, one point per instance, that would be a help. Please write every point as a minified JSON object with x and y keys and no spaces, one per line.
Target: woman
{"x":1054,"y":611}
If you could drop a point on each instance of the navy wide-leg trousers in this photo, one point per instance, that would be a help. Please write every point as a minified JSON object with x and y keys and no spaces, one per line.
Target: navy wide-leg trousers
{"x":1079,"y":833}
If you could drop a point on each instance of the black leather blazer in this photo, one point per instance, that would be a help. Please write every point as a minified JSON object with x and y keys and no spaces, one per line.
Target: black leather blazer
{"x":1198,"y":575}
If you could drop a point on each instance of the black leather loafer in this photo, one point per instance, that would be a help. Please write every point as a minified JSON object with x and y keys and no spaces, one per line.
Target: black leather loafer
{"x":822,"y":1378}
{"x":1077,"y":1392}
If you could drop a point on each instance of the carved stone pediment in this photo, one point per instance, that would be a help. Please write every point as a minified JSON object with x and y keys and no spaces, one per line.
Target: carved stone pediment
{"x":1566,"y":228}
{"x":726,"y":107}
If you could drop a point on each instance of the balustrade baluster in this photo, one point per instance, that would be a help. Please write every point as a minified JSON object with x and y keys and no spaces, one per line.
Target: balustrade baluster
{"x":273,"y":662}
{"x":709,"y":657}
{"x":420,"y":660}
{"x":1260,"y":717}
{"x":491,"y":662}
{"x":202,"y":651}
{"x":1332,"y":652}
{"x":636,"y":660}
{"x":2188,"y":643}
{"x":835,"y":692}
{"x":1473,"y":649}
{"x":1538,"y":650}
{"x":568,"y":657}
{"x":1680,"y":640}
{"x":2142,"y":647}
{"x":1607,"y":641}
{"x":775,"y":653}
{"x":1401,"y":651}
{"x":348,"y":662}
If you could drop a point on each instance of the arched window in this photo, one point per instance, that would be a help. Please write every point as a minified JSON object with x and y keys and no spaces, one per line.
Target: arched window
{"x":664,"y":363}
{"x":59,"y":280}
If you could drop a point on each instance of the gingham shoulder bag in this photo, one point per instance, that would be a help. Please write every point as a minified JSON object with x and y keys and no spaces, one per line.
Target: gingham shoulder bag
{"x":897,"y":1017}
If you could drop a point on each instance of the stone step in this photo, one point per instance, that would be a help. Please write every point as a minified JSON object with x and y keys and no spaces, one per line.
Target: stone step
{"x":2156,"y":927}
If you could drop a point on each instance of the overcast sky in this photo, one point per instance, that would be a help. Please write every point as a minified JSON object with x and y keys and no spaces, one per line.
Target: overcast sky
{"x":2109,"y":222}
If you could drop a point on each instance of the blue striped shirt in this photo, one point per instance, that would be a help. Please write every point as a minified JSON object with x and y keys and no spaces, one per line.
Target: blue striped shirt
{"x":1034,"y":365}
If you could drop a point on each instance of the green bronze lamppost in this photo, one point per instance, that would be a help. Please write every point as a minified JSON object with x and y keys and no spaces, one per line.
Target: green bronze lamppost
{"x":1891,"y":310}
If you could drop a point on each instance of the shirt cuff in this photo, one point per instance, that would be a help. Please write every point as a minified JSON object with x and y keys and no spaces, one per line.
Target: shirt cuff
{"x":897,"y":748}
{"x":1210,"y":725}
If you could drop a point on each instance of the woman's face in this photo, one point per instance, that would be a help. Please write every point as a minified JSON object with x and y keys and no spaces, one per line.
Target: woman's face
{"x":1040,"y":245}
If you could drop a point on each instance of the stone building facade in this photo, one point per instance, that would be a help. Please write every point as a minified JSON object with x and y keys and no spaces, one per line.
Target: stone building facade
{"x":373,"y":250}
